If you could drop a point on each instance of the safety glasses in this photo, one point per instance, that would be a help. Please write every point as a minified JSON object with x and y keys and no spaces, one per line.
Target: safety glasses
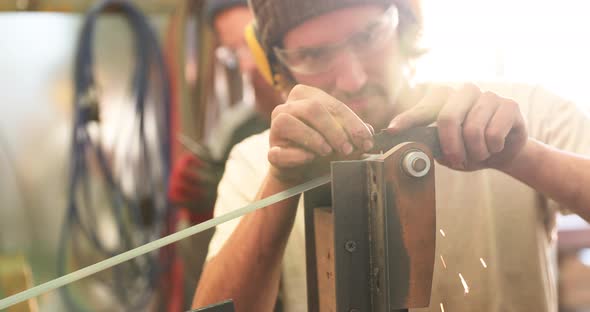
{"x":315,"y":60}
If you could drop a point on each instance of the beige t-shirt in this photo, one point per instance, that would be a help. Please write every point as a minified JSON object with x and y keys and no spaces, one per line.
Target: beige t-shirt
{"x":495,"y":245}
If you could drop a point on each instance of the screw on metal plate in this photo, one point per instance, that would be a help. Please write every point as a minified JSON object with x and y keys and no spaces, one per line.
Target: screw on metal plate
{"x":350,"y":246}
{"x":416,"y":163}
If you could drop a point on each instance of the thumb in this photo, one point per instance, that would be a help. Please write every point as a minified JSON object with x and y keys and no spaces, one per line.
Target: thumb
{"x":422,"y":114}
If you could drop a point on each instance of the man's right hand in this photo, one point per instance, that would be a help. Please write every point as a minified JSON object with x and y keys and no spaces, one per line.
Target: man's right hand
{"x":311,"y":127}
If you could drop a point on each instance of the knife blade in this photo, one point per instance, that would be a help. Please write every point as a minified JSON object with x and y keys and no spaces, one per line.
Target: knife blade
{"x":385,"y":140}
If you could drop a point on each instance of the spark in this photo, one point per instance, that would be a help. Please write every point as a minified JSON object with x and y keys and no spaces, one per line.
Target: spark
{"x":443,"y":261}
{"x":442,"y":307}
{"x":465,"y":286}
{"x":442,"y":233}
{"x":483,"y":263}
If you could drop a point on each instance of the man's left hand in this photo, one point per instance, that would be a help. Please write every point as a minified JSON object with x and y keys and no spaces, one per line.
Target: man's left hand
{"x":477,"y":129}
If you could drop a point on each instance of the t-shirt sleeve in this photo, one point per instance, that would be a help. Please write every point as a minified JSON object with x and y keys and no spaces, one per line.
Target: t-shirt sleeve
{"x":564,"y":125}
{"x":238,"y":187}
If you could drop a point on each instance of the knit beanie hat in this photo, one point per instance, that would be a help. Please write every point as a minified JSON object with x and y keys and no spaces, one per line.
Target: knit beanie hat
{"x":274,"y":18}
{"x":214,"y":7}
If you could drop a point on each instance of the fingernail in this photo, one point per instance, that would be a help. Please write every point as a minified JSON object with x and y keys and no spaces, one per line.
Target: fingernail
{"x":392,"y":128}
{"x":460,"y":165}
{"x":393,"y":124}
{"x":368,"y":145}
{"x":326,"y":149}
{"x":347,"y":148}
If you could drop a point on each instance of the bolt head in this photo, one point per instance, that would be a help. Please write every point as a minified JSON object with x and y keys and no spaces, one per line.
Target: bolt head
{"x":419,"y":164}
{"x":350,"y":246}
{"x":416,"y":163}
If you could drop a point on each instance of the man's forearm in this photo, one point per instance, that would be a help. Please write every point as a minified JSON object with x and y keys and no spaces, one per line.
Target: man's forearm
{"x":562,"y":176}
{"x":247,"y":269}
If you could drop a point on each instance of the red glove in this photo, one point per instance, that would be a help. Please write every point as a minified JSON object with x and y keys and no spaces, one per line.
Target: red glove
{"x":193,"y":183}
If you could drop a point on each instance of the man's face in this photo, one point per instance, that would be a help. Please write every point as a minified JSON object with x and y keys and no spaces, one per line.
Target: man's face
{"x":230,"y":25}
{"x":366,"y":79}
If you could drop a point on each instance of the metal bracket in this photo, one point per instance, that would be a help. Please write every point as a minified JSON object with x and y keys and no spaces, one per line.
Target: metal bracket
{"x":370,"y":245}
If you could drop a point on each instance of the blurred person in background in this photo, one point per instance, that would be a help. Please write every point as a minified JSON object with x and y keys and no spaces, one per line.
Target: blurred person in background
{"x":194,"y":178}
{"x":188,"y":188}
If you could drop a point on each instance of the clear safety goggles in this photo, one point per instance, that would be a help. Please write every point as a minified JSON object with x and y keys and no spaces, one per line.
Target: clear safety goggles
{"x":316,"y":60}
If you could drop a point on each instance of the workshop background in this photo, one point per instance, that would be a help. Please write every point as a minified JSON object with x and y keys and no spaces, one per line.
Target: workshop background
{"x":529,"y":41}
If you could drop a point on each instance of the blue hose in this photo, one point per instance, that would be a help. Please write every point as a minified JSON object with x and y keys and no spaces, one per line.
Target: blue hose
{"x":85,"y":152}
